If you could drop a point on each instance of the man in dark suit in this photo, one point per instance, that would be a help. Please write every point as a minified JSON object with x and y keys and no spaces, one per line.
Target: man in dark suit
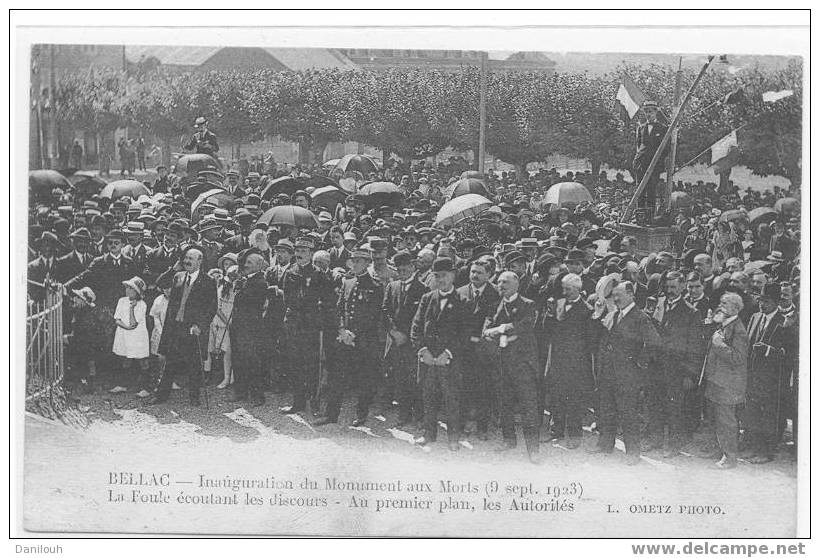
{"x":513,"y":328}
{"x":241,"y":241}
{"x":76,"y":261}
{"x":248,"y":332}
{"x":105,"y":274}
{"x":478,"y":396}
{"x":767,"y":384}
{"x":44,"y":268}
{"x":163,"y":257}
{"x":401,"y":300}
{"x":678,"y":366}
{"x":203,"y":140}
{"x":439,"y":335}
{"x":648,"y":140}
{"x":627,"y":342}
{"x":184,"y":342}
{"x":569,"y":376}
{"x":136,"y":249}
{"x":358,"y":353}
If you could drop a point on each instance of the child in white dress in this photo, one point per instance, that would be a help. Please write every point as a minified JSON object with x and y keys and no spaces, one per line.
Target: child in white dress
{"x":131,"y":336}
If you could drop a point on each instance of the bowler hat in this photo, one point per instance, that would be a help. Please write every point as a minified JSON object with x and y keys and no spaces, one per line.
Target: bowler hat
{"x":513,"y":257}
{"x":442,"y":264}
{"x":771,"y":291}
{"x":402,"y":258}
{"x":81,"y":233}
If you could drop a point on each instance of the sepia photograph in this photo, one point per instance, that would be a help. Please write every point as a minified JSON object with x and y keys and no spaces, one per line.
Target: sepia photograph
{"x":539,"y":284}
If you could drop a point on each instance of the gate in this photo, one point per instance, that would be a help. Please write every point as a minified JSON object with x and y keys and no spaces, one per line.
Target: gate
{"x":45,"y":359}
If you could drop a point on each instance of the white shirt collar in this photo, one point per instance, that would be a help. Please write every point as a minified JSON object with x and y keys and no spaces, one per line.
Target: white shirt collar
{"x":512,"y":298}
{"x":194,"y":275}
{"x":478,"y":290}
{"x":442,"y":293}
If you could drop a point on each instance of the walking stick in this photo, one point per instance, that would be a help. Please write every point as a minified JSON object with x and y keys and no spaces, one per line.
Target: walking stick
{"x":201,"y":370}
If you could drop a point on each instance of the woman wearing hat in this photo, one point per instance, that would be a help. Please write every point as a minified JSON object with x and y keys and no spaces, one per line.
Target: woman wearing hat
{"x":131,"y":340}
{"x":219,"y":340}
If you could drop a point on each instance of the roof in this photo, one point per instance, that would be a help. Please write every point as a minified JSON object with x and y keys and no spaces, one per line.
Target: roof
{"x":304,"y":58}
{"x":172,"y":55}
{"x":293,"y":58}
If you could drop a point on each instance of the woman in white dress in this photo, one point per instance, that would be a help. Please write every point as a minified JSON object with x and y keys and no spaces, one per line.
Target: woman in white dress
{"x":219,"y":340}
{"x":131,"y":336}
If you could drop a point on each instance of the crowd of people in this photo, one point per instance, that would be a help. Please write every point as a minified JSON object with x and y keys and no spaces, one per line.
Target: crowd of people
{"x":543,"y":312}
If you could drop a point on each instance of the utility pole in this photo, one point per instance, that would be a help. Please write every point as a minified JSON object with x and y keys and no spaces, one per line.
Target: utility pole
{"x":54,"y":147}
{"x":482,"y":113}
{"x":670,"y":165}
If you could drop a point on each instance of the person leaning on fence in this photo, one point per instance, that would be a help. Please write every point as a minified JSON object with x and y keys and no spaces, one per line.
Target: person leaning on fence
{"x":131,"y":340}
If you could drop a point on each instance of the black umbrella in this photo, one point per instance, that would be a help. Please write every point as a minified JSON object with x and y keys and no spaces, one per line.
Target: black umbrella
{"x":469,"y":186}
{"x":362,"y":163}
{"x":376,"y":194}
{"x":284,"y":185}
{"x":328,"y":196}
{"x":42,"y":182}
{"x":190,"y":165}
{"x":86,"y":182}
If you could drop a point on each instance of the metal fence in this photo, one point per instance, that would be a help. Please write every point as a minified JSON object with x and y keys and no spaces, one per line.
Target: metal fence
{"x":45,"y":359}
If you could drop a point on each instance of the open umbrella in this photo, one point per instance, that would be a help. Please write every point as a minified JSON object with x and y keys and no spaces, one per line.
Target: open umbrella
{"x":42,"y":182}
{"x":362,"y":163}
{"x":120,"y":188}
{"x":328,"y":196}
{"x":473,"y":174}
{"x":681,"y":200}
{"x":565,"y":193}
{"x":86,"y":182}
{"x":732,"y":215}
{"x":217,"y":196}
{"x":468,"y":186}
{"x":762,"y":215}
{"x":319,"y":181}
{"x":376,"y":194}
{"x":291,"y":215}
{"x":331,"y":163}
{"x":787,"y":205}
{"x":189,"y":165}
{"x":461,"y":208}
{"x":284,"y":185}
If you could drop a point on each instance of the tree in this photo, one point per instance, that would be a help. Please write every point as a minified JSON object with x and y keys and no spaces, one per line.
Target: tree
{"x":304,"y":107}
{"x":93,"y":101}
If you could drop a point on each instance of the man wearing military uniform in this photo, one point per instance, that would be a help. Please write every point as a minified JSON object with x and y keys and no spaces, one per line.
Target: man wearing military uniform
{"x":359,"y":351}
{"x":309,"y":310}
